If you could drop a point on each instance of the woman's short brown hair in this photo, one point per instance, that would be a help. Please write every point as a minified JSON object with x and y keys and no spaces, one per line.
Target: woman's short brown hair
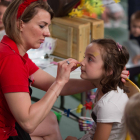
{"x":114,"y":62}
{"x":4,"y":3}
{"x":132,"y":116}
{"x":10,"y":17}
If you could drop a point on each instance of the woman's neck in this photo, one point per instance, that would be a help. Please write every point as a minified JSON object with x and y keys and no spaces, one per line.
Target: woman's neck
{"x":21,"y":50}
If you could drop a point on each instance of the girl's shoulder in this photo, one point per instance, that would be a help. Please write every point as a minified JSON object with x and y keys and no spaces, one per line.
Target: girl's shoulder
{"x":114,"y":97}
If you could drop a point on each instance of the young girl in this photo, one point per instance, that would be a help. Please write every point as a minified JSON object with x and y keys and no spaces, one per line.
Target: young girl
{"x":104,"y":60}
{"x":132,"y":116}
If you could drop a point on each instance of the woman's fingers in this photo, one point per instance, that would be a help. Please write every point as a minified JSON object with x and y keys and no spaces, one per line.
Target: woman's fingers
{"x":64,"y":69}
{"x":124,"y":75}
{"x":123,"y":80}
{"x":70,"y":60}
{"x":125,"y":72}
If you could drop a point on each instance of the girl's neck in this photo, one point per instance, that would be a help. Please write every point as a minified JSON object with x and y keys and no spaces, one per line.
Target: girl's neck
{"x":99,"y":87}
{"x":99,"y":95}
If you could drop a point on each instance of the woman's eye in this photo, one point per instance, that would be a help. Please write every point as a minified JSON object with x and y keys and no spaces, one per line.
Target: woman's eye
{"x":41,"y":26}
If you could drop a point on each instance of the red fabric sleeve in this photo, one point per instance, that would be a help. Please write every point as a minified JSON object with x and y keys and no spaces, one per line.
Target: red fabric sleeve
{"x":32,"y":67}
{"x":14,"y":74}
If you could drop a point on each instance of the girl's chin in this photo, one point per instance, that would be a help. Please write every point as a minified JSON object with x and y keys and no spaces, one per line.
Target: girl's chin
{"x":83,"y":77}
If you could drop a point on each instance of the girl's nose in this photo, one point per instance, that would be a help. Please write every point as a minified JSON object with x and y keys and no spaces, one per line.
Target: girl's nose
{"x":82,"y":63}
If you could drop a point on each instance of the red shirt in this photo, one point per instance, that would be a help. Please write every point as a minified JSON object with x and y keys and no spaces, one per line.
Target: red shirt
{"x":14,"y":73}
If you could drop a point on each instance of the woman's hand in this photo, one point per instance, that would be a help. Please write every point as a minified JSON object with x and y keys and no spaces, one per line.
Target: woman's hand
{"x":124,"y":75}
{"x":136,"y":59}
{"x":71,"y":138}
{"x":64,"y":69}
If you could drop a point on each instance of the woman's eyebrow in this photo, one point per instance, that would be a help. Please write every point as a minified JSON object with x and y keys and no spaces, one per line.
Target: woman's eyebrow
{"x":45,"y":23}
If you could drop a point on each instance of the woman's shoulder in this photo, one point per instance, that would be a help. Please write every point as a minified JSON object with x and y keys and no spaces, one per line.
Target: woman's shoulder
{"x":5,"y":52}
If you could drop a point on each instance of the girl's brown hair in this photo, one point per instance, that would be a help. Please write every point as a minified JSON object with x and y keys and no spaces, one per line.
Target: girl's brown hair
{"x":132,"y":116}
{"x":10,"y":17}
{"x":115,"y":60}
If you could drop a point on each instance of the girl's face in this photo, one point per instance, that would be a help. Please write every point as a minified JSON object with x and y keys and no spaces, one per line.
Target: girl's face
{"x":33,"y":33}
{"x":92,"y":65}
{"x":2,"y":11}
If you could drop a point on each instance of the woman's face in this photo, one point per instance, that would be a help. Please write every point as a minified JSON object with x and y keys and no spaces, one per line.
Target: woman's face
{"x":34,"y":32}
{"x":92,"y":65}
{"x":2,"y":11}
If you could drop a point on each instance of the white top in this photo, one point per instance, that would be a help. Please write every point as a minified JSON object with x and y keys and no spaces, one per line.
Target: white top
{"x":110,"y":109}
{"x":113,"y":7}
{"x":2,"y":33}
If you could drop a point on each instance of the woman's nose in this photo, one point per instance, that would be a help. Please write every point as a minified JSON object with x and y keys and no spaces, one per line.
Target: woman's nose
{"x":47,"y":32}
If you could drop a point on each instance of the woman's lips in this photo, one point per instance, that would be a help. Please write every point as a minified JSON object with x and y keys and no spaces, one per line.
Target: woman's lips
{"x":42,"y":40}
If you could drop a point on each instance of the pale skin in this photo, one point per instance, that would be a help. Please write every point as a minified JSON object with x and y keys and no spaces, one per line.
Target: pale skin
{"x":135,"y":31}
{"x":92,"y":70}
{"x":136,"y":59}
{"x":34,"y":117}
{"x":2,"y":11}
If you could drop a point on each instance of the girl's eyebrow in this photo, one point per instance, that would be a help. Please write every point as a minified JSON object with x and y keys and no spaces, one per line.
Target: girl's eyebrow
{"x":93,"y":54}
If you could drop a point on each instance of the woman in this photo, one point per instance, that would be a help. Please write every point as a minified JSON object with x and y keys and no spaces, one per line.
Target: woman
{"x":26,"y":25}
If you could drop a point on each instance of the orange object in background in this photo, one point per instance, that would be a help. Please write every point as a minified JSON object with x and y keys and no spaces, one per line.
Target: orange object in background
{"x":93,"y":15}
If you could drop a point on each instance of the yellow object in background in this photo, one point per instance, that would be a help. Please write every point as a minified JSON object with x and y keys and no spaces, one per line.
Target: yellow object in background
{"x":78,"y":65}
{"x":117,"y":1}
{"x":128,"y":137}
{"x":79,"y":108}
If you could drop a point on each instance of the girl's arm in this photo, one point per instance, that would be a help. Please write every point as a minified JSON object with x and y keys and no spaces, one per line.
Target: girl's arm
{"x":103,"y":131}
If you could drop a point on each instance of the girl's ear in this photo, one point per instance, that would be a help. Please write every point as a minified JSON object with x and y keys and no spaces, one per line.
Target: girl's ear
{"x":20,"y":25}
{"x":110,"y":72}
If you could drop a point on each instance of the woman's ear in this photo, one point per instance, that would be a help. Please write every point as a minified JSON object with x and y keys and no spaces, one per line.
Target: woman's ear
{"x":20,"y":25}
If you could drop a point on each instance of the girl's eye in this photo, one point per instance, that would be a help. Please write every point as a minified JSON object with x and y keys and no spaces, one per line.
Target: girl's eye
{"x":41,"y":26}
{"x":89,"y":59}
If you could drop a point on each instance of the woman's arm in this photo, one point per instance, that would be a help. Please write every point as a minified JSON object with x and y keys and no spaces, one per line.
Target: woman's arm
{"x":28,"y":115}
{"x":43,"y":81}
{"x":103,"y":131}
